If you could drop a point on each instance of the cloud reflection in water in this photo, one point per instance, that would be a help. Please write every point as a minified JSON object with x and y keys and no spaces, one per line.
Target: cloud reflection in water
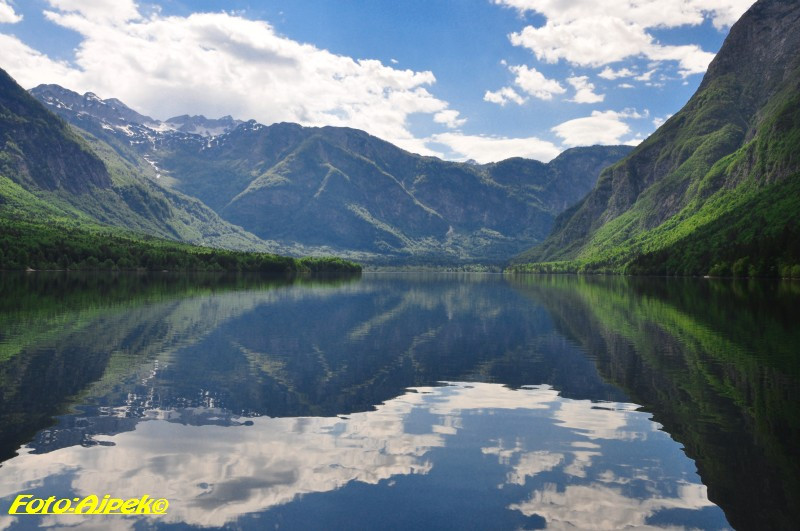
{"x":572,"y":462}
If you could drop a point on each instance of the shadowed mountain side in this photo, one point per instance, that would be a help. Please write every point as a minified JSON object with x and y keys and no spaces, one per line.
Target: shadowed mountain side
{"x":345,"y":189}
{"x":714,"y":362}
{"x":41,"y":151}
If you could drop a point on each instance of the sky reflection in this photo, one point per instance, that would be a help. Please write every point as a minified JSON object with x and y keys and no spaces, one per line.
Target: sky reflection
{"x":531,"y":454}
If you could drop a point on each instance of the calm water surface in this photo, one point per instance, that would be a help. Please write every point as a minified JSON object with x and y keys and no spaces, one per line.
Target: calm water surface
{"x":403,"y":401}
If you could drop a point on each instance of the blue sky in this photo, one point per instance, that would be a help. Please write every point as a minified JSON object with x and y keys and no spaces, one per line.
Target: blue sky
{"x":459,"y":79}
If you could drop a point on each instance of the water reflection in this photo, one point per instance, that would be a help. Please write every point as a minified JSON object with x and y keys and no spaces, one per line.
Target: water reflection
{"x":256,"y":346}
{"x":609,"y":471}
{"x":716,"y":362}
{"x":254,"y":402}
{"x":68,"y":335}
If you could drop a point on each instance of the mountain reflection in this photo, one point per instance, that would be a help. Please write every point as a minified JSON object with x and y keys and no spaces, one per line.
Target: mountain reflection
{"x":215,"y":475}
{"x":101,"y":337}
{"x":257,"y":401}
{"x":714,"y":361}
{"x":254,"y":346}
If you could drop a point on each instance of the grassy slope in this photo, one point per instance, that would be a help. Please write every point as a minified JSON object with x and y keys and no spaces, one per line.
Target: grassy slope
{"x":753,"y":225}
{"x":48,"y":232}
{"x":136,"y":202}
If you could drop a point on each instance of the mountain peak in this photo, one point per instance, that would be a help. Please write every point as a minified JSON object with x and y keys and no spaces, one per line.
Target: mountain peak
{"x":115,"y":113}
{"x":112,"y":110}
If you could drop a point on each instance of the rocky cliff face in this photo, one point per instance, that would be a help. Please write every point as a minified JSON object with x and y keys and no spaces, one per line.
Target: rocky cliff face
{"x":200,"y":125}
{"x":739,"y":130}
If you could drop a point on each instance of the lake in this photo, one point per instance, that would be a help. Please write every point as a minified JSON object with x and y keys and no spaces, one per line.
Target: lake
{"x":402,"y":401}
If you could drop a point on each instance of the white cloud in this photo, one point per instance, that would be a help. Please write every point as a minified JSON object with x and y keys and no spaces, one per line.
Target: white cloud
{"x":585,"y":42}
{"x":633,"y":113}
{"x":449,"y":118}
{"x":534,"y":83}
{"x":584,"y":91}
{"x":724,"y":13}
{"x":486,"y":149}
{"x":7,"y":14}
{"x":590,"y":33}
{"x":29,"y":67}
{"x":691,"y":59}
{"x":503,"y":96}
{"x":602,"y":127}
{"x":99,"y":10}
{"x":218,"y":64}
{"x":531,"y":81}
{"x":646,"y":76}
{"x":626,"y":86}
{"x":611,"y":74}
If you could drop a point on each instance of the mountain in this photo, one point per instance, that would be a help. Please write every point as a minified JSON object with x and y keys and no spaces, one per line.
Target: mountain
{"x":716,"y":189}
{"x":343,"y":191}
{"x":51,"y":172}
{"x":348,"y":190}
{"x":114,"y":112}
{"x":111,"y":110}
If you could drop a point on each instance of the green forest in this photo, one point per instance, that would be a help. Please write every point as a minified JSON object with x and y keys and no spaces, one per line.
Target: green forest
{"x":25,"y":245}
{"x":749,"y":232}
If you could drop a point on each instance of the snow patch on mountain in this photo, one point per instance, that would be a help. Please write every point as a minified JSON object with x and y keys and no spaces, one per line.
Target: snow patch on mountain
{"x":112,"y":113}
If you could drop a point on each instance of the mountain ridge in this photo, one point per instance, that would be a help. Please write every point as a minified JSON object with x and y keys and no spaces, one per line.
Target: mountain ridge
{"x":334,"y":189}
